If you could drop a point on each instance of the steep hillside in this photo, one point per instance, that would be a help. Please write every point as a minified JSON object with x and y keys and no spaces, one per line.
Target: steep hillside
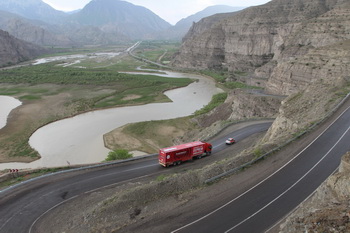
{"x":325,"y":74}
{"x":120,"y":17}
{"x":35,"y":32}
{"x":262,"y":35}
{"x":178,"y":31}
{"x":13,"y":51}
{"x":297,"y":46}
{"x":32,"y":9}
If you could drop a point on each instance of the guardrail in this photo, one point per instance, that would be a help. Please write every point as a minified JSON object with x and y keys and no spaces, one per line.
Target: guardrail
{"x":234,"y":170}
{"x":71,"y":169}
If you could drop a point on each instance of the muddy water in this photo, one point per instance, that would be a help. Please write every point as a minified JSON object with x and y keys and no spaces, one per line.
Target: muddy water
{"x":79,"y":140}
{"x":7,"y":104}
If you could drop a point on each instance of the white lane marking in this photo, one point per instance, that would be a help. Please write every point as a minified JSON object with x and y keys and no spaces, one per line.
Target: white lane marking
{"x":87,"y":192}
{"x":228,"y":203}
{"x":47,"y":194}
{"x":298,"y":181}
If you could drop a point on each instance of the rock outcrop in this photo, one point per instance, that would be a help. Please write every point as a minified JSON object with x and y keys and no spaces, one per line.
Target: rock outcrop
{"x":241,"y":105}
{"x":324,"y":73}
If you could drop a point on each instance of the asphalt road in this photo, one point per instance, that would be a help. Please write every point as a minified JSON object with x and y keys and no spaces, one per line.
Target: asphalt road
{"x":21,"y":206}
{"x":265,"y":204}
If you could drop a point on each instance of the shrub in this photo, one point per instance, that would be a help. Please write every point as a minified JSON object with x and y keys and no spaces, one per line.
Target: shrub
{"x":118,"y":155}
{"x":216,"y":101}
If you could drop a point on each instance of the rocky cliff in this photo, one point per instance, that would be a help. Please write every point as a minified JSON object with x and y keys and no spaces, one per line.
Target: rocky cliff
{"x":13,"y":51}
{"x":258,"y":39}
{"x":299,"y":47}
{"x":324,"y":73}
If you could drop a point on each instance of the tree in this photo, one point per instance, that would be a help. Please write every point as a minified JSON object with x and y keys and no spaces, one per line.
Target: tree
{"x":118,"y":155}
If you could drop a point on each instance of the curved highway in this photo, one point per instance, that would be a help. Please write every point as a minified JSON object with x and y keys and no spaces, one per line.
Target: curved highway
{"x":22,"y":205}
{"x":263,"y":205}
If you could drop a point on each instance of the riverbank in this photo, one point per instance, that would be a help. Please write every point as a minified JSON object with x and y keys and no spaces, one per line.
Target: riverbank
{"x":56,"y":106}
{"x":46,"y":101}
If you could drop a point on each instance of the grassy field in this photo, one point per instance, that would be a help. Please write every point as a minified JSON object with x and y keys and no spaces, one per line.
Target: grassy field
{"x":148,"y":88}
{"x":157,"y":51}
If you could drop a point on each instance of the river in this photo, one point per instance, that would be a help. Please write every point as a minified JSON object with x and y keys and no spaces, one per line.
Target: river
{"x":79,"y":140}
{"x":7,"y":104}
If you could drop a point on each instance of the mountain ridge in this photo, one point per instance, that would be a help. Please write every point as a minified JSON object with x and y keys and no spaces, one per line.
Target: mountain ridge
{"x":179,"y":30}
{"x":13,"y":51}
{"x":32,"y":9}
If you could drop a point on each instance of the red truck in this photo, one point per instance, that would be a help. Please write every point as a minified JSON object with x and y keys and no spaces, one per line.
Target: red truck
{"x":177,"y":154}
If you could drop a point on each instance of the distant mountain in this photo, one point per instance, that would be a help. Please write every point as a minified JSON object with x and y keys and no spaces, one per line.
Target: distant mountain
{"x":32,"y":9}
{"x":209,"y":11}
{"x":33,"y":31}
{"x":114,"y":16}
{"x":100,"y":22}
{"x":178,"y":31}
{"x":13,"y":51}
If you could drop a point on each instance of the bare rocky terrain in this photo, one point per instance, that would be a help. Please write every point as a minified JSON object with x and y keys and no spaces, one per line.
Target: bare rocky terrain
{"x":13,"y":51}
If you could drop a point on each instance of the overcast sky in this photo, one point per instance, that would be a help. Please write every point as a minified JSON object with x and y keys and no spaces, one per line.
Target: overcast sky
{"x":170,"y":10}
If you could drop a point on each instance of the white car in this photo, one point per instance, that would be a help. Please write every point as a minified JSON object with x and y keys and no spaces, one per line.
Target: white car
{"x":230,"y":141}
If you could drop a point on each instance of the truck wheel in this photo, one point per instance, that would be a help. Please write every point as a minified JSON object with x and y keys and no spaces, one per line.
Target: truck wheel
{"x":208,"y":153}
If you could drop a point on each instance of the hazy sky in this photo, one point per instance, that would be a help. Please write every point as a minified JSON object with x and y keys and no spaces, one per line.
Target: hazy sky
{"x":170,"y":10}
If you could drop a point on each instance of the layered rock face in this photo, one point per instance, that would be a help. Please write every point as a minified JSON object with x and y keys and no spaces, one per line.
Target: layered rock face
{"x":299,"y":47}
{"x":13,"y":51}
{"x":262,"y":38}
{"x":316,"y":51}
{"x":324,"y":73}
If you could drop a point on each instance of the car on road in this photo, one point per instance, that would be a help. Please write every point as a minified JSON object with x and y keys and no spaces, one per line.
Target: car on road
{"x":230,"y":141}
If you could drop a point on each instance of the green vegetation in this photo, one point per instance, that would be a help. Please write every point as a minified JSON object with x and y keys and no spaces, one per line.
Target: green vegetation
{"x":19,"y":178}
{"x":218,"y":76}
{"x":161,"y":177}
{"x":157,"y":51}
{"x":234,"y":85}
{"x":216,"y":101}
{"x":149,"y":88}
{"x":61,"y":92}
{"x":258,"y":152}
{"x":221,"y":77}
{"x":118,"y":155}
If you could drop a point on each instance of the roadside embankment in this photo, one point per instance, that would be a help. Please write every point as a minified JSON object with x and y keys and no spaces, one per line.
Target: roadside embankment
{"x":328,"y":209}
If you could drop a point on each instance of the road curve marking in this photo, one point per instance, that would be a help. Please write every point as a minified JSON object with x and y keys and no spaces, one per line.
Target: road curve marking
{"x":292,"y":186}
{"x":228,"y":203}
